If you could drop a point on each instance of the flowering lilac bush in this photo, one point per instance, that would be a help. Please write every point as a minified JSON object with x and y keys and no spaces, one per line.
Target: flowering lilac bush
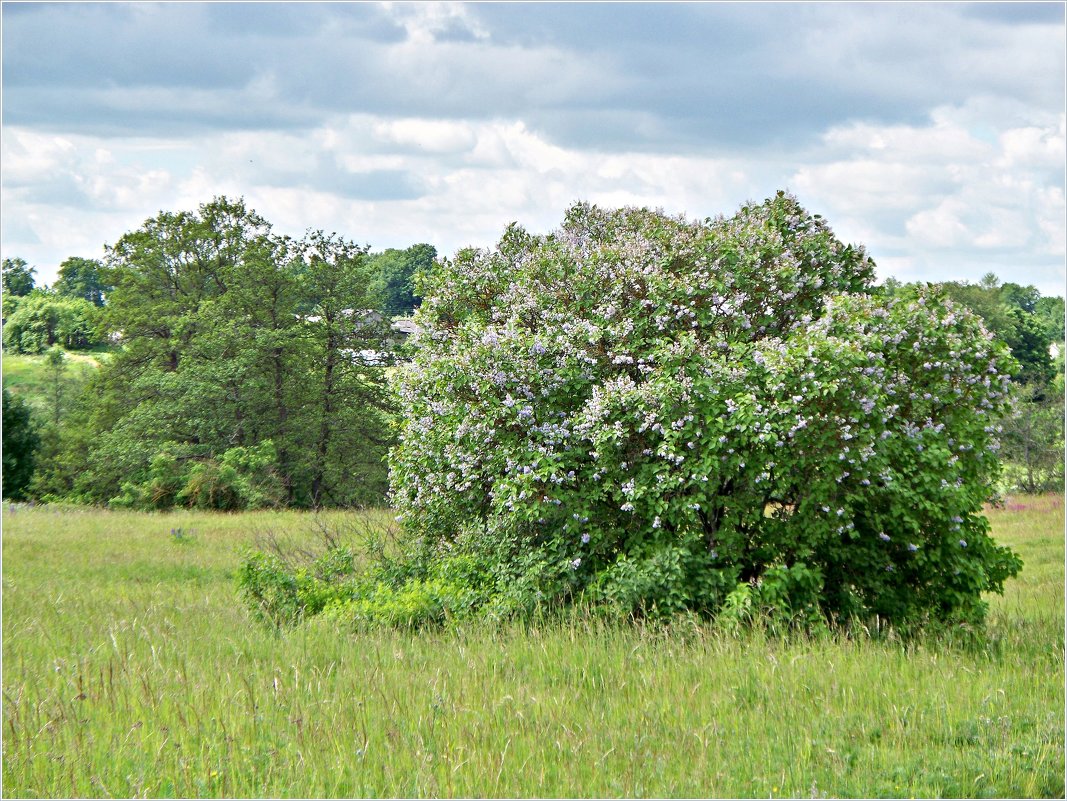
{"x":656,"y":415}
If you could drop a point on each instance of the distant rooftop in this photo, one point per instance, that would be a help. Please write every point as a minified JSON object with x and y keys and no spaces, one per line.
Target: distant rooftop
{"x":405,"y":325}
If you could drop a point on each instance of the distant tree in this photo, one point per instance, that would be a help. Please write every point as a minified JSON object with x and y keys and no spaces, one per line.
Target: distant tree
{"x":1051,"y":312}
{"x":1020,"y":297}
{"x":889,"y":288}
{"x":43,"y":319}
{"x":55,"y":365}
{"x":187,"y":379}
{"x":82,"y":278}
{"x":233,"y":337}
{"x":1029,"y":342}
{"x":166,"y":273}
{"x":1033,"y":440}
{"x":20,"y":442}
{"x":394,"y":282}
{"x":346,"y":393}
{"x":17,"y":277}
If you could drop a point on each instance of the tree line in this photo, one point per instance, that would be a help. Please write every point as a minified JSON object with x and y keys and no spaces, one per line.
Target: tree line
{"x":244,"y":369}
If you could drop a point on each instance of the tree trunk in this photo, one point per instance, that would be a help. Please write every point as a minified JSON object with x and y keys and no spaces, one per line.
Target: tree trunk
{"x":325,"y":427}
{"x":282,"y":411}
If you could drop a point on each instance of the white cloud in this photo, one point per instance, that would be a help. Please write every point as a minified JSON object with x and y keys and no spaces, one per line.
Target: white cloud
{"x":933,"y":196}
{"x":933,"y":134}
{"x":431,"y":136}
{"x":425,"y":22}
{"x":941,"y":226}
{"x":967,"y":192}
{"x":1034,"y":146}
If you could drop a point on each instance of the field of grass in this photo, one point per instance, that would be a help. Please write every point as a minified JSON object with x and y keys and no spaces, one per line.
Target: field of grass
{"x":130,"y":669}
{"x":25,"y":375}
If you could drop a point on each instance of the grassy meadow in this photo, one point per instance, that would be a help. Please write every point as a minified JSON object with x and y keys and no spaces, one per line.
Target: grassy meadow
{"x":131,"y":669}
{"x":25,"y":375}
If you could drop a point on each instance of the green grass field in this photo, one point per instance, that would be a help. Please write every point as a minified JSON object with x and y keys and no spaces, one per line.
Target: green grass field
{"x":25,"y":375}
{"x":130,"y":669}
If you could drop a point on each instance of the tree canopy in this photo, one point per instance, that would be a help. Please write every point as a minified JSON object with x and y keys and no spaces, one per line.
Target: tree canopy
{"x":82,"y":278}
{"x":17,"y":277}
{"x":245,"y":357}
{"x":395,"y":279}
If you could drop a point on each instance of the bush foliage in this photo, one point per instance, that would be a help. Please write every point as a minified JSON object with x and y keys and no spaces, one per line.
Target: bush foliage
{"x":241,"y":478}
{"x":656,"y":415}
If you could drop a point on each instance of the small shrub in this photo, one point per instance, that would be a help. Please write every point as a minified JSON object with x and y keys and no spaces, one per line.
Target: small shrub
{"x":242,"y":478}
{"x":182,"y":536}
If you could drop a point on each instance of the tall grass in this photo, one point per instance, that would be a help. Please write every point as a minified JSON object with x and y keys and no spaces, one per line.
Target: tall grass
{"x":130,"y":670}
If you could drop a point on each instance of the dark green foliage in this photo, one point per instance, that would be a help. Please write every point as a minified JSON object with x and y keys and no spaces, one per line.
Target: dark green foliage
{"x":233,"y":339}
{"x":1020,"y":297}
{"x":17,"y":277}
{"x":1028,"y":338}
{"x":395,"y":279}
{"x":20,"y":445}
{"x":661,"y":578}
{"x":82,"y":278}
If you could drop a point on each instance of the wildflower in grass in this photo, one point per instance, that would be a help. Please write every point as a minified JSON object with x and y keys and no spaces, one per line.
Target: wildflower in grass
{"x":884,"y":537}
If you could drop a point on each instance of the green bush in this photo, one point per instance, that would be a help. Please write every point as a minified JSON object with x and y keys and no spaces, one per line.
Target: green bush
{"x":242,"y":478}
{"x":650,"y":415}
{"x":433,"y":593}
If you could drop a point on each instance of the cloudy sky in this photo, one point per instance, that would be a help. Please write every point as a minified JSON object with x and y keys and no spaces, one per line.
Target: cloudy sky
{"x":934,"y":133}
